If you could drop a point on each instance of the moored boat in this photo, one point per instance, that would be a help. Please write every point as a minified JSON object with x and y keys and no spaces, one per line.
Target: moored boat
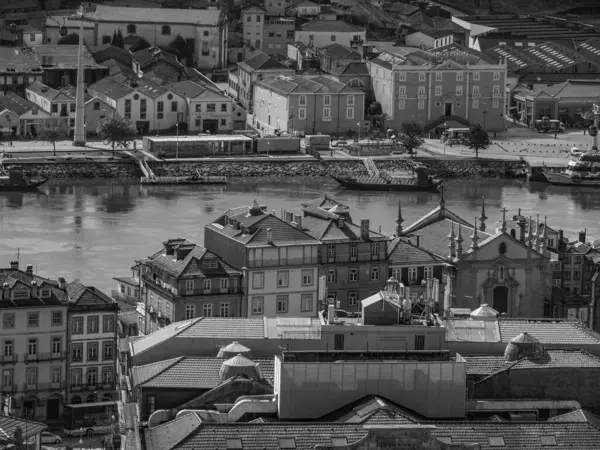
{"x":13,"y":179}
{"x":420,"y":180}
{"x":584,"y":171}
{"x":184,"y":180}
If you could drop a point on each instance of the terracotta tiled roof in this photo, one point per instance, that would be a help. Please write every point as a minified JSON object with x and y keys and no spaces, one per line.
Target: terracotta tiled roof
{"x":299,"y":84}
{"x":402,"y":253}
{"x":438,"y":214}
{"x":198,"y":373}
{"x":352,"y":68}
{"x":267,"y":436}
{"x":261,"y":61}
{"x":225,"y":328}
{"x":16,"y":104}
{"x":373,"y":410}
{"x":580,"y":415}
{"x":329,"y":230}
{"x":81,"y":295}
{"x":339,"y":51}
{"x":331,"y":26}
{"x":529,"y":435}
{"x":548,"y":331}
{"x":141,"y":374}
{"x":486,"y":365}
{"x":168,"y":435}
{"x":161,"y":335}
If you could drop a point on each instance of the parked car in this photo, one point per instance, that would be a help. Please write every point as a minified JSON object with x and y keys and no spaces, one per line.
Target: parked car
{"x":576,"y":151}
{"x":49,"y":438}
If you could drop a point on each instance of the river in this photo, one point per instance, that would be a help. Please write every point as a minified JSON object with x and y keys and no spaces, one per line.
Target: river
{"x":94,"y":232}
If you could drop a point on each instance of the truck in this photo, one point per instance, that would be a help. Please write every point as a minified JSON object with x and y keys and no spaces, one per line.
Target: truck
{"x":315,"y":143}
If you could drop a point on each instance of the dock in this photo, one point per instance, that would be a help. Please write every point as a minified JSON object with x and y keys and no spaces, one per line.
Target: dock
{"x":183,"y":180}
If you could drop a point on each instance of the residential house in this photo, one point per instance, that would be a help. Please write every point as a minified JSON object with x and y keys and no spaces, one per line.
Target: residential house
{"x":253,"y":25}
{"x":163,"y":64}
{"x":354,"y":75}
{"x":30,"y":116}
{"x":34,"y":339}
{"x":440,"y":91}
{"x":258,"y":66}
{"x":189,"y":281}
{"x":306,"y":105}
{"x":352,"y":258}
{"x":9,"y":121}
{"x":426,"y":39}
{"x":205,"y":30}
{"x":59,"y":63}
{"x":31,"y":36}
{"x":266,"y":28}
{"x":93,"y":345}
{"x":304,"y":55}
{"x":55,"y":23}
{"x":208,"y":109}
{"x":19,"y":67}
{"x":335,"y":55}
{"x":278,"y":260}
{"x":278,"y":33}
{"x":308,"y":9}
{"x":275,"y":8}
{"x":320,"y":33}
{"x":105,"y":52}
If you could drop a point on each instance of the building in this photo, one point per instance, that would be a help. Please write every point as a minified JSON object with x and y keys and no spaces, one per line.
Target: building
{"x":279,"y":261}
{"x":30,"y":116}
{"x":442,"y":91}
{"x":354,"y":75}
{"x":352,"y":257}
{"x":59,"y":65}
{"x":266,"y":29}
{"x":19,"y":68}
{"x":203,"y":29}
{"x":308,"y":9}
{"x":306,"y":105}
{"x":189,"y":281}
{"x":34,"y":357}
{"x":253,"y":25}
{"x":7,"y":119}
{"x":321,"y":33}
{"x":54,"y":23}
{"x":278,"y":33}
{"x":305,"y":56}
{"x":93,"y":345}
{"x":29,"y":431}
{"x":22,"y":6}
{"x":429,"y":39}
{"x":335,"y":55}
{"x":257,"y":67}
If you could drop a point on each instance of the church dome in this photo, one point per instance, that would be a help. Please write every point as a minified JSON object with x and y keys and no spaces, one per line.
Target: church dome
{"x":233,"y":349}
{"x":484,"y":312}
{"x":523,"y":346}
{"x":255,"y":209}
{"x":240,"y":366}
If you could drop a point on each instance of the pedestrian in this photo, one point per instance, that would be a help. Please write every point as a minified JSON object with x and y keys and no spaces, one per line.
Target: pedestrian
{"x":555,"y":133}
{"x":584,"y":131}
{"x":331,"y":153}
{"x":494,"y":135}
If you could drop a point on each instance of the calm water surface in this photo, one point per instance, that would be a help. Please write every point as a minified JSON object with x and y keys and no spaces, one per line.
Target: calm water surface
{"x":95,"y":232}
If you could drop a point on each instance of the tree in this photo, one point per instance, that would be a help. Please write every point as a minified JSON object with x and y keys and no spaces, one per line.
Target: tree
{"x":478,"y":139}
{"x":116,"y":130}
{"x":52,"y":134}
{"x":140,"y":44}
{"x":410,"y":138}
{"x":117,"y":39}
{"x":375,"y":109}
{"x":69,"y":39}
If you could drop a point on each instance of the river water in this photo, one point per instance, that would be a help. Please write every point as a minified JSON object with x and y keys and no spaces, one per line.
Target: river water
{"x":94,"y":232}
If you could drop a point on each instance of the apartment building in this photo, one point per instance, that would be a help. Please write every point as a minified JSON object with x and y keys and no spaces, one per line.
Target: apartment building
{"x":19,"y":68}
{"x":320,"y":33}
{"x":278,"y":260}
{"x":434,"y":94}
{"x":267,"y":29}
{"x":184,"y":280}
{"x":34,"y":336}
{"x":93,"y":344}
{"x":307,"y":105}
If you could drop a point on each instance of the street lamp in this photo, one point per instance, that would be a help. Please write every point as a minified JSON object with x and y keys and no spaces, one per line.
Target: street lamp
{"x":177,"y":141}
{"x":484,"y":116}
{"x":445,"y":135}
{"x":9,"y":121}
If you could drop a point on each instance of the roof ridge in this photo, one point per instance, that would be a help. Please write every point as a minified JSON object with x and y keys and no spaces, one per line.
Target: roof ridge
{"x":174,"y":361}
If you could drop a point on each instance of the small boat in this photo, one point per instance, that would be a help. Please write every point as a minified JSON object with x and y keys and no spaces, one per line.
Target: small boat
{"x":420,"y":181}
{"x":13,"y":179}
{"x":583,"y":171}
{"x":194,"y":179}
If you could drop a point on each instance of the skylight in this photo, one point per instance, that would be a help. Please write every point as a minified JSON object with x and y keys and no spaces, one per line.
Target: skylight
{"x":548,"y":441}
{"x":287,"y":442}
{"x":445,"y":439}
{"x":496,"y":441}
{"x":231,"y":444}
{"x":339,"y":441}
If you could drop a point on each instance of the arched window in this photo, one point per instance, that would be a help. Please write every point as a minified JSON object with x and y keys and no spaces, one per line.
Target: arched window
{"x":166,"y":29}
{"x":354,"y":82}
{"x":502,"y":248}
{"x":131,"y":29}
{"x":512,"y":232}
{"x":501,"y":273}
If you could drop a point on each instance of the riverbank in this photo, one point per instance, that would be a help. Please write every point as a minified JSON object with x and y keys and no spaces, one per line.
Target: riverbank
{"x":273,"y":167}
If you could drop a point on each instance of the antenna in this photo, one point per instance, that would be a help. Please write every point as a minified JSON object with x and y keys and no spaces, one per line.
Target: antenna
{"x":18,"y":255}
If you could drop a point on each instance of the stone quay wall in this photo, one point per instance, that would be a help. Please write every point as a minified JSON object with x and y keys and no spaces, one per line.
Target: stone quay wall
{"x":273,"y":168}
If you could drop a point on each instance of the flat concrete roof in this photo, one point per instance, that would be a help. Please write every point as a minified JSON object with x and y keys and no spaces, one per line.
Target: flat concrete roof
{"x":219,"y":138}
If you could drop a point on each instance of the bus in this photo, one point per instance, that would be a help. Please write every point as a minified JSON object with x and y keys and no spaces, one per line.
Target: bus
{"x":92,"y":418}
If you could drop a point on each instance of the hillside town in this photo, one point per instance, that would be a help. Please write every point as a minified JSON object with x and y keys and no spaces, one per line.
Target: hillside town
{"x":307,"y":327}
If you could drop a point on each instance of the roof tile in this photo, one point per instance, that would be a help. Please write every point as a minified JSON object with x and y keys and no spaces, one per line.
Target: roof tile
{"x":548,"y":331}
{"x":225,"y":328}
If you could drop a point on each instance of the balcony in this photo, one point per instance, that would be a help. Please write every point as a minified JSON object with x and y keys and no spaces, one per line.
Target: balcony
{"x":12,"y":359}
{"x":44,"y":356}
{"x":27,"y":387}
{"x":13,"y":388}
{"x":107,"y":358}
{"x":44,"y":386}
{"x":118,"y":295}
{"x":92,"y":357}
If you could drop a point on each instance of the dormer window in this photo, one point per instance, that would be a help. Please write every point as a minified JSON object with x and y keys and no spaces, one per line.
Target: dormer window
{"x":131,"y":29}
{"x":20,"y":294}
{"x":45,"y":293}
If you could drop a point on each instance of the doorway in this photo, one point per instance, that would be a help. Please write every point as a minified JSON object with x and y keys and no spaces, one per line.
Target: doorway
{"x":53,"y":409}
{"x":448,"y":109}
{"x":501,"y":299}
{"x":143,"y":126}
{"x":210,"y":125}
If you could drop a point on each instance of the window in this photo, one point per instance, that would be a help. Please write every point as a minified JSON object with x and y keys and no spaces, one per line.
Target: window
{"x":419,"y":342}
{"x":33,"y":319}
{"x":496,"y":76}
{"x":459,"y":76}
{"x":352,"y":299}
{"x":174,"y":106}
{"x":350,"y":100}
{"x":496,"y":441}
{"x":353,"y":251}
{"x":165,"y":30}
{"x":142,"y":108}
{"x":207,"y":310}
{"x":577,"y":275}
{"x":306,"y":302}
{"x":333,"y":38}
{"x":402,"y":92}
{"x":282,"y":304}
{"x":422,"y":76}
{"x":8,"y":349}
{"x":233,"y":444}
{"x":495,"y":103}
{"x":374,"y":273}
{"x":92,"y":376}
{"x":32,"y":346}
{"x":349,"y":113}
{"x":151,"y":401}
{"x":331,"y":253}
{"x":496,"y":90}
{"x":353,"y":275}
{"x":190,"y":311}
{"x":286,"y":443}
{"x":92,"y":351}
{"x":402,"y":76}
{"x":76,"y":377}
{"x":7,"y":379}
{"x":92,"y":324}
{"x":459,"y":91}
{"x":412,"y":275}
{"x":475,"y":103}
{"x":258,"y":305}
{"x":56,"y":345}
{"x":55,"y":377}
{"x":107,"y":351}
{"x":108,"y":324}
{"x":402,"y":104}
{"x":224,"y":284}
{"x":189,"y":286}
{"x":428,"y":273}
{"x":331,"y":276}
{"x":128,"y":107}
{"x":548,"y":441}
{"x":302,"y":100}
{"x":307,"y":277}
{"x":248,"y":18}
{"x":224,"y":309}
{"x":578,"y":260}
{"x":327,"y":100}
{"x":258,"y":18}
{"x":206,"y":285}
{"x":283,"y":278}
{"x":421,"y":104}
{"x":258,"y":280}
{"x":475,"y":76}
{"x":160,"y":109}
{"x":301,"y":113}
{"x":54,"y":108}
{"x":438,"y":76}
{"x":211,"y":107}
{"x":31,"y":377}
{"x":77,"y":352}
{"x":476,"y":91}
{"x":421,"y":92}
{"x":96,"y":106}
{"x":131,"y":29}
{"x":107,"y":375}
{"x":326,"y":114}
{"x":8,"y":320}
{"x":375,"y":249}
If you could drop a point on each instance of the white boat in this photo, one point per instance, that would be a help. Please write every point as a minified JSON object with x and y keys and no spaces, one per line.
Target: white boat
{"x":583,"y":171}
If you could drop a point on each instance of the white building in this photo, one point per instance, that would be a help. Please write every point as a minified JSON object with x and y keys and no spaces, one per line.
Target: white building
{"x":53,"y":24}
{"x":321,"y":33}
{"x":427,"y":39}
{"x":204,"y":29}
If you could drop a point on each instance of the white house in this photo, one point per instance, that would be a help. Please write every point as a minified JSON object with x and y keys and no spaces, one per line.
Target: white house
{"x":320,"y":33}
{"x":204,"y":29}
{"x":53,"y":24}
{"x":30,"y":115}
{"x":427,"y":39}
{"x":308,"y":9}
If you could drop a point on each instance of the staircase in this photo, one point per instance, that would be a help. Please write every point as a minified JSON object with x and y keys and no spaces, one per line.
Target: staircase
{"x":440,"y":120}
{"x":371,"y":167}
{"x":146,"y":170}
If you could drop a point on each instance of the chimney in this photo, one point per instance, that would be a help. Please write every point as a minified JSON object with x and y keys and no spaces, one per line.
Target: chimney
{"x":14,"y":265}
{"x":34,"y":288}
{"x":299,"y":222}
{"x":331,"y":314}
{"x":29,"y":270}
{"x":418,"y":240}
{"x":560,"y":239}
{"x":62,"y":284}
{"x":341,"y":222}
{"x":269,"y":236}
{"x":5,"y":291}
{"x":364,"y":229}
{"x":582,"y":235}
